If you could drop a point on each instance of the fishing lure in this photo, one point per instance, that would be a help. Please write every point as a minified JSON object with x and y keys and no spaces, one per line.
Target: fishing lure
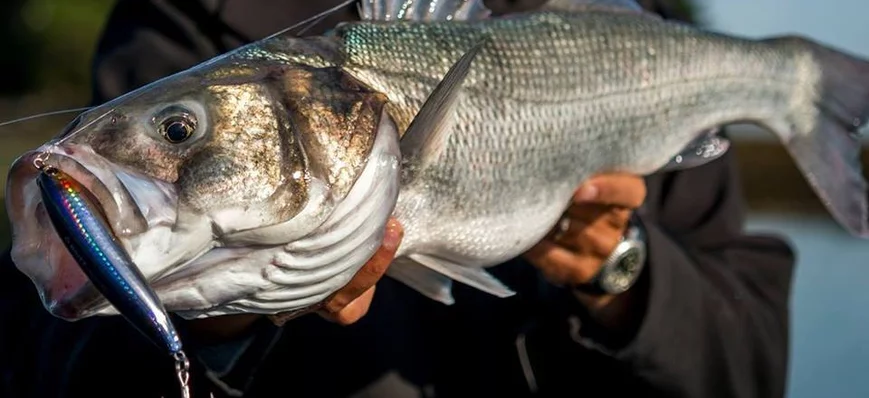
{"x":83,"y":228}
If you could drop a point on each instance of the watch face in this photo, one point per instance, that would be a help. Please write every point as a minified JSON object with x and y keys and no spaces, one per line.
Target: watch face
{"x":622,"y":275}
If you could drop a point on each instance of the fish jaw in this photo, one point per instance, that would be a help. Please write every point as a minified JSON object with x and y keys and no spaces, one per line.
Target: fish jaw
{"x":141,"y":211}
{"x":198,"y":265}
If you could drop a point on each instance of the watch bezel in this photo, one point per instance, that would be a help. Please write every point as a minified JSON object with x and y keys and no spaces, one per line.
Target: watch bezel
{"x":610,"y":278}
{"x":603,"y":282}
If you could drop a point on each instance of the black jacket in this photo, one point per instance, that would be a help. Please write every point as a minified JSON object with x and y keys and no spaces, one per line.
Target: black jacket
{"x":715,"y":323}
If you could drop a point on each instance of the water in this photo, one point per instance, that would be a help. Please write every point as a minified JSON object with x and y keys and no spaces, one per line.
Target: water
{"x":830,"y":307}
{"x":830,"y":300}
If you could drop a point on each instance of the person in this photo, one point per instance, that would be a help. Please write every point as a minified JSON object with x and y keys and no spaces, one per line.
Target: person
{"x":708,"y":316}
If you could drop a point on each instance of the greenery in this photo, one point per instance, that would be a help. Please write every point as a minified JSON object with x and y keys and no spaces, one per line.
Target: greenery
{"x":48,"y":45}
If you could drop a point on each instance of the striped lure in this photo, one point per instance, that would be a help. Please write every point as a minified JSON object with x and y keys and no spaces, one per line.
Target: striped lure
{"x":81,"y":226}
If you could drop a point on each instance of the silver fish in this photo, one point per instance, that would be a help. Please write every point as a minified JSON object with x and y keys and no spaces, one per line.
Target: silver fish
{"x":260,"y":181}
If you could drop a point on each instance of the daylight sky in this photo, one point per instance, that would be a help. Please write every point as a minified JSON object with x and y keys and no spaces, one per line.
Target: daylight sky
{"x":841,"y":23}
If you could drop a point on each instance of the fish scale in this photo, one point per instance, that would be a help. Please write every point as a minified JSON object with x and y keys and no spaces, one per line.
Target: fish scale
{"x":551,"y":98}
{"x":474,"y":131}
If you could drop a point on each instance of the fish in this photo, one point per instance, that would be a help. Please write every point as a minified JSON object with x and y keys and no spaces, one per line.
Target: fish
{"x":260,"y":181}
{"x":80,"y":225}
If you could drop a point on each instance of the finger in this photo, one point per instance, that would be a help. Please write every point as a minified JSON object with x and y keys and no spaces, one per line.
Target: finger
{"x":617,"y":189}
{"x":358,"y":292}
{"x":591,"y":213}
{"x":561,"y":266}
{"x":598,"y":239}
{"x":371,"y":272}
{"x":354,"y":311}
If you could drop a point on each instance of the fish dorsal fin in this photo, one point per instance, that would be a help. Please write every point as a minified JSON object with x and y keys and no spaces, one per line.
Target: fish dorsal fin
{"x":422,"y":10}
{"x":580,"y":5}
{"x":428,"y":132}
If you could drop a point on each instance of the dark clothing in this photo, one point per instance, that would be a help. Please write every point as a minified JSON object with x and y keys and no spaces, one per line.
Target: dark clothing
{"x":715,"y":323}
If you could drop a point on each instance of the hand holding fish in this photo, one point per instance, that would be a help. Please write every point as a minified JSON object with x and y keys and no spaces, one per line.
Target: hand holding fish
{"x":235,"y":189}
{"x":351,"y":303}
{"x":596,"y":221}
{"x":345,"y":307}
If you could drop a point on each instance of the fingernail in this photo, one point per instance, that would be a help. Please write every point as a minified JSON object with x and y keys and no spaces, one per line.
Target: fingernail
{"x":393,"y":234}
{"x":586,"y":193}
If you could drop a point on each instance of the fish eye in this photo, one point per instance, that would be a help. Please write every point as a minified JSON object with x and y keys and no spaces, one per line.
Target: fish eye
{"x":177,"y":127}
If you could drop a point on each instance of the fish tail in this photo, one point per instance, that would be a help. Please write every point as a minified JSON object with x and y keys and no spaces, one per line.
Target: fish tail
{"x":823,"y":136}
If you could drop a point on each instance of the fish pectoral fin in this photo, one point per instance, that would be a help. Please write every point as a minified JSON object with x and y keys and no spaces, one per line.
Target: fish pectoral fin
{"x":472,"y":276}
{"x":428,"y":132}
{"x":704,"y":149}
{"x":424,"y":280}
{"x":423,"y":10}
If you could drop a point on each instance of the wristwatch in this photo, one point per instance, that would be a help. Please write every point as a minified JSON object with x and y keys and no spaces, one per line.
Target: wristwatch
{"x":623,"y":267}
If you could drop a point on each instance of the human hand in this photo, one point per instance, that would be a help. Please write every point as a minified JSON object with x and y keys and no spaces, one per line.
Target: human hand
{"x":595,"y":223}
{"x":351,"y":303}
{"x":346,"y":306}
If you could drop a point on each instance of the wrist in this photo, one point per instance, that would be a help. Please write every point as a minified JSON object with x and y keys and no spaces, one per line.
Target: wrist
{"x":612,"y":320}
{"x":620,"y":271}
{"x":612,"y":297}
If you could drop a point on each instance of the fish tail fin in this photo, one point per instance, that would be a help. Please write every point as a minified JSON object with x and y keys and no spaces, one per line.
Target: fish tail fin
{"x":825,"y":142}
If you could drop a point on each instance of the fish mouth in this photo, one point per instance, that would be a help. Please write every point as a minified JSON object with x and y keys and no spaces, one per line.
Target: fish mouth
{"x":136,"y":208}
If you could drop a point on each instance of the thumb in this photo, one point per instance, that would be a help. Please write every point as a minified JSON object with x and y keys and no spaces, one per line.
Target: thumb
{"x":615,"y":189}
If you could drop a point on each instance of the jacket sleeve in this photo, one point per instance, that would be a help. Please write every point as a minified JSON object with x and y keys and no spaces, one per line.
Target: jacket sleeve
{"x":144,"y":41}
{"x":715,"y":301}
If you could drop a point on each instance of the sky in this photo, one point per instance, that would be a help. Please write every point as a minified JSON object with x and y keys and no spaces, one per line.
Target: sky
{"x":841,"y":23}
{"x":829,"y":348}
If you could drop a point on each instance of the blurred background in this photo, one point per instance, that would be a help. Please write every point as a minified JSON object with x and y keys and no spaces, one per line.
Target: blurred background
{"x":48,"y":44}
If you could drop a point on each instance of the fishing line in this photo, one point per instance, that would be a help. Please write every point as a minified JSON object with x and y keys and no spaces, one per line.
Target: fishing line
{"x":182,"y":364}
{"x":90,"y":123}
{"x":314,"y":19}
{"x":311,"y":25}
{"x":306,"y":24}
{"x":45,"y":114}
